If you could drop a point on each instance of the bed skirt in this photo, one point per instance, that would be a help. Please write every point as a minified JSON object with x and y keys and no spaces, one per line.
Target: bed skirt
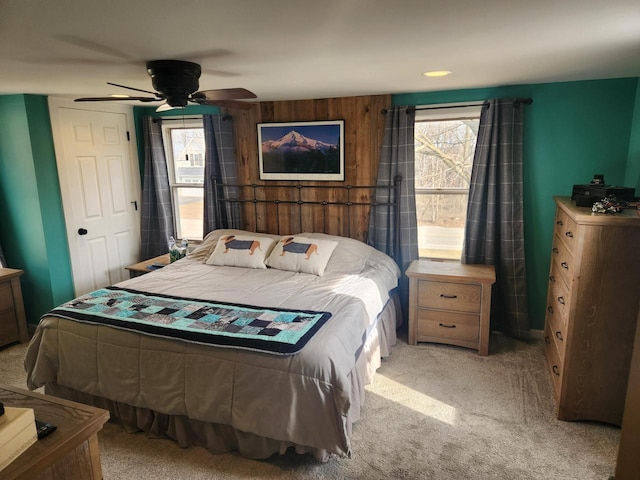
{"x":222,"y":438}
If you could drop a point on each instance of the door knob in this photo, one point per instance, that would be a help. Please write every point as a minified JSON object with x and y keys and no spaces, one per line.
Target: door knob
{"x":82,"y":231}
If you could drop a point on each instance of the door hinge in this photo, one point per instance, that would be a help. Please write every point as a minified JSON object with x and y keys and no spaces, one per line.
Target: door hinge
{"x":128,"y":137}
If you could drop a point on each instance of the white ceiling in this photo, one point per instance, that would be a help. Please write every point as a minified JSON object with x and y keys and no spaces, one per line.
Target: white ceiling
{"x":301,"y":49}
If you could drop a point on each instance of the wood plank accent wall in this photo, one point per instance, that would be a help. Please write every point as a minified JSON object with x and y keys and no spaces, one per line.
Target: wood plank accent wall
{"x":364,"y":129}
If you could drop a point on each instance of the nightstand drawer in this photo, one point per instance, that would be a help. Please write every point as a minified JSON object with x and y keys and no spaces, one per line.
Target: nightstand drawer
{"x":458,"y":297}
{"x":6,"y":296}
{"x":454,"y":326}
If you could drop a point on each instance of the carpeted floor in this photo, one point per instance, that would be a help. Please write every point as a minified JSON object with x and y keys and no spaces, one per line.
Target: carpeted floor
{"x":433,"y":412}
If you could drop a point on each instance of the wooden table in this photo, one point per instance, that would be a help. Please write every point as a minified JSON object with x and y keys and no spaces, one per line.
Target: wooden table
{"x":71,"y":452}
{"x":141,"y":267}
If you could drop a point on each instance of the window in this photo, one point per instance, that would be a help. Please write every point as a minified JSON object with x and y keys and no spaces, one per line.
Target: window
{"x":445,"y":141}
{"x":185,"y":150}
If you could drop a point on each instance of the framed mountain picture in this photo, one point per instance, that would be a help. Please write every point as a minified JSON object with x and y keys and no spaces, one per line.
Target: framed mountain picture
{"x":301,"y":150}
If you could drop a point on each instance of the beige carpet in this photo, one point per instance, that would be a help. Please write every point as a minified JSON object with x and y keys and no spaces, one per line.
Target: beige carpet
{"x":433,"y":412}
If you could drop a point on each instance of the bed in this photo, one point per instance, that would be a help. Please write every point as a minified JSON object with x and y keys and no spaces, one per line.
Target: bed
{"x":235,"y":397}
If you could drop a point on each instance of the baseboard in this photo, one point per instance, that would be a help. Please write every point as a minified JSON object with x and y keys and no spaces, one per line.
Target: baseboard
{"x":536,"y":334}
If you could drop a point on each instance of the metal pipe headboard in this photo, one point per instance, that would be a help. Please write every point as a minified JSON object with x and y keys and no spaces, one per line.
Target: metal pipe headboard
{"x":291,"y":197}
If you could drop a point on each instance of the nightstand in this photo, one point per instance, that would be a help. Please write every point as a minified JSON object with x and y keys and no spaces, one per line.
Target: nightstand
{"x":142,"y":267}
{"x":13,"y":323}
{"x":450,"y":303}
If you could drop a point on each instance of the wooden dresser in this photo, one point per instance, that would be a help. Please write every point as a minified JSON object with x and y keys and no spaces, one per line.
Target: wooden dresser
{"x":13,"y":324}
{"x":592,"y":307}
{"x":450,"y":303}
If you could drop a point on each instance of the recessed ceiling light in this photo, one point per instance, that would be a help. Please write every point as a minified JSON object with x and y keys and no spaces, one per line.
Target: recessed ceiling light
{"x":437,"y":73}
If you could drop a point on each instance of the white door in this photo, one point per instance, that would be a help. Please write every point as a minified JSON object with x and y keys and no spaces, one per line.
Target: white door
{"x":100,"y":186}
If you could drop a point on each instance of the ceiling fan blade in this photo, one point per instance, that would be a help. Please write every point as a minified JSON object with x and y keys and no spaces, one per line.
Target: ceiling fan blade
{"x":135,"y":89}
{"x":116,"y":99}
{"x":229,"y":104}
{"x":225,"y":94}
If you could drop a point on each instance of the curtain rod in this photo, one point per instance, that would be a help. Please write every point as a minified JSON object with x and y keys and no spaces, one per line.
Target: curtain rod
{"x":526,"y":101}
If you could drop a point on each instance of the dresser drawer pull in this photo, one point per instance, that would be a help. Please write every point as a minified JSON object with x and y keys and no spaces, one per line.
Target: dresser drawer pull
{"x":552,"y":279}
{"x":559,"y":336}
{"x":555,"y":250}
{"x":561,"y":300}
{"x":546,"y":339}
{"x":556,"y":370}
{"x":559,"y":222}
{"x":550,"y":309}
{"x":442,"y":295}
{"x":565,"y":265}
{"x":568,"y":234}
{"x":445,"y":325}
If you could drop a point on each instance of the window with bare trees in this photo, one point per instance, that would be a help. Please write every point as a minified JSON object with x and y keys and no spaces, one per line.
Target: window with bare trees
{"x":185,"y":151}
{"x":445,"y":140}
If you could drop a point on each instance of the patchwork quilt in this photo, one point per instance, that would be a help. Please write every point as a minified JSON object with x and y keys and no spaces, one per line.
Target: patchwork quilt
{"x":272,"y":330}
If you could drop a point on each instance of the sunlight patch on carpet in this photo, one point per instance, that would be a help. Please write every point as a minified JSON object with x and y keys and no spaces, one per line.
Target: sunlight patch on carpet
{"x":415,"y":400}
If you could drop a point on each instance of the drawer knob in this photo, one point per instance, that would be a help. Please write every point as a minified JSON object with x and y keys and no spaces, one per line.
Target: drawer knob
{"x":559,"y":222}
{"x":552,"y":279}
{"x":561,"y":300}
{"x":442,"y":295}
{"x":447,"y":325}
{"x":569,"y":234}
{"x":556,"y":370}
{"x":550,"y":309}
{"x":565,"y":265}
{"x":555,"y":250}
{"x":559,"y":336}
{"x":546,"y":339}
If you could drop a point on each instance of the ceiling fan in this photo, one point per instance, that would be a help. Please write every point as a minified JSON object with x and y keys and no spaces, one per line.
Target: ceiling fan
{"x":176,"y":82}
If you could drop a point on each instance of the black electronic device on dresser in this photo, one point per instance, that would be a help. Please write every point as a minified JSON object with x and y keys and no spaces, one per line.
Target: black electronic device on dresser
{"x":587,"y":195}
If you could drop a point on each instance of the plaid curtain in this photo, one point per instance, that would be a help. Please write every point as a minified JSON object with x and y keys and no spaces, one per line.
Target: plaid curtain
{"x":494,"y":232}
{"x":157,"y":211}
{"x":397,"y":157}
{"x":220,"y":161}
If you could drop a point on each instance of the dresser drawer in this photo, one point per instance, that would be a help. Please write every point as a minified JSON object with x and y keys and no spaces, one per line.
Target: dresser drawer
{"x":456,"y":297}
{"x":6,"y":296}
{"x":558,"y":298}
{"x":563,"y":260}
{"x":553,"y":361}
{"x":558,"y":330}
{"x":565,"y":229}
{"x":448,"y":325}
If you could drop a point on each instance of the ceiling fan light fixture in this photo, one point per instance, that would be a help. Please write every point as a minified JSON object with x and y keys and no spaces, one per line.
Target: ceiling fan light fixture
{"x":437,"y":73}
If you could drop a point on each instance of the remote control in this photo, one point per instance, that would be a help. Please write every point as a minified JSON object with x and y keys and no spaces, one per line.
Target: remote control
{"x":44,"y":429}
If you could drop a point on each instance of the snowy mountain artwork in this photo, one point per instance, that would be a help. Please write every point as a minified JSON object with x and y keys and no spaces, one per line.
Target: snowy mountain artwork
{"x":301,"y":150}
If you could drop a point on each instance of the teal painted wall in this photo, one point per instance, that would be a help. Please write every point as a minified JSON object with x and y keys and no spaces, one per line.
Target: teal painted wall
{"x":572,"y":130}
{"x":632,"y":177}
{"x":32,"y":223}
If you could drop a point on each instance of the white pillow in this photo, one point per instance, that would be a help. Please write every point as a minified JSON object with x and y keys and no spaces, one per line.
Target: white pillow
{"x":301,"y":254}
{"x":247,"y":251}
